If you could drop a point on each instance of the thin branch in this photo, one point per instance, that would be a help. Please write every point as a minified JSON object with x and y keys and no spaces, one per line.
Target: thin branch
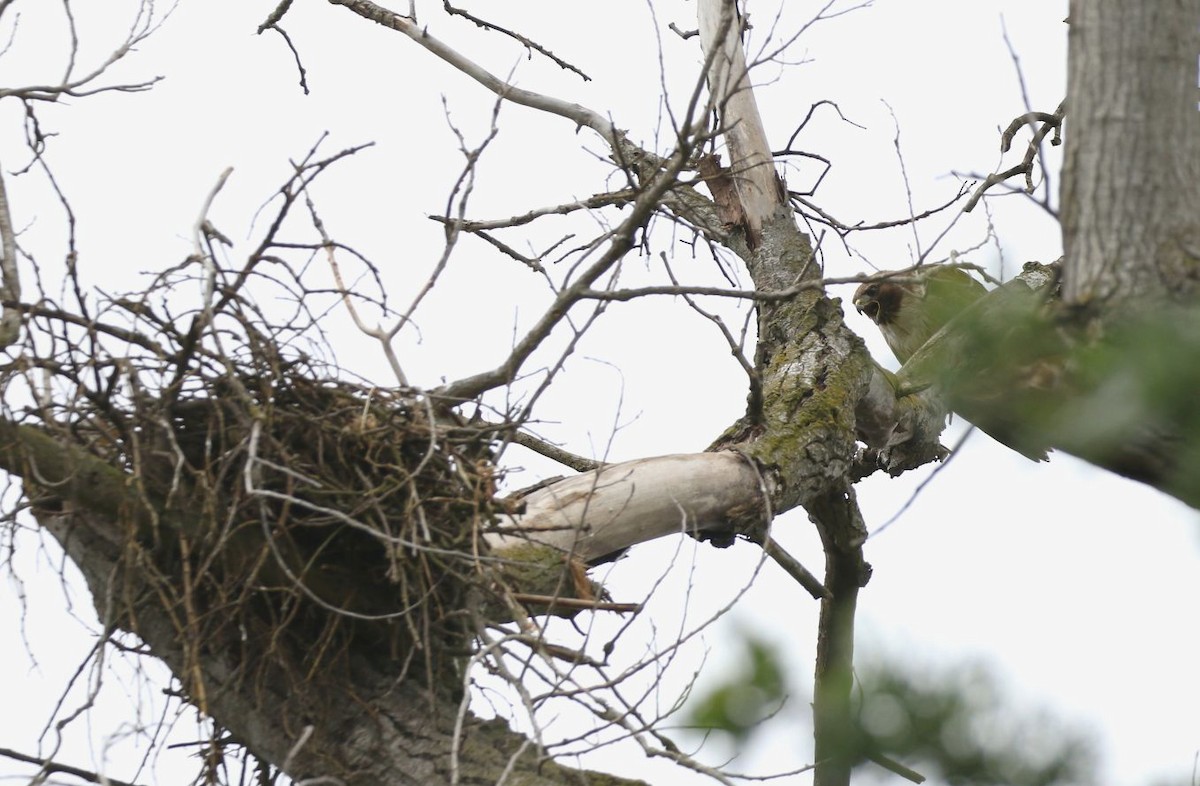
{"x":792,"y":566}
{"x":896,"y":767}
{"x":130,"y":336}
{"x":384,"y":337}
{"x":615,"y":198}
{"x":287,"y":39}
{"x":912,"y":211}
{"x":754,"y":401}
{"x":844,"y":229}
{"x":811,"y":111}
{"x":553,"y":452}
{"x":462,"y":190}
{"x":49,"y":767}
{"x":1042,"y":124}
{"x":1046,"y":200}
{"x":532,"y":263}
{"x":684,"y":34}
{"x":906,"y":275}
{"x":143,"y":26}
{"x":622,"y":242}
{"x":201,"y":230}
{"x":578,"y":603}
{"x":582,"y":116}
{"x":526,"y":42}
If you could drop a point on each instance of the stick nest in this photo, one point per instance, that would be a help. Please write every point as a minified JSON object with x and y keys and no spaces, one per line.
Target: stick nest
{"x":309,"y":512}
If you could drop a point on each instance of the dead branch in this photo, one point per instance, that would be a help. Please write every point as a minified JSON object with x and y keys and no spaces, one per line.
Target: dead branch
{"x":614,"y":199}
{"x":620,"y":243}
{"x":758,"y":186}
{"x":49,"y":767}
{"x":582,"y":116}
{"x":1042,"y":124}
{"x":526,"y":42}
{"x":144,"y":24}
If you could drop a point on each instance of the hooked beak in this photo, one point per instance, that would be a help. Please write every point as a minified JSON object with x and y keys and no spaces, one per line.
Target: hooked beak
{"x":867,"y":306}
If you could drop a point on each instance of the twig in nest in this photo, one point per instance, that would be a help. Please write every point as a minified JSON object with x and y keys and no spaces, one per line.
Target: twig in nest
{"x":575,"y":603}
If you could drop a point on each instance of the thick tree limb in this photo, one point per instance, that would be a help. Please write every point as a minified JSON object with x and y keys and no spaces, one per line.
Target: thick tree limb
{"x":758,"y":188}
{"x":385,"y":732}
{"x":605,"y":511}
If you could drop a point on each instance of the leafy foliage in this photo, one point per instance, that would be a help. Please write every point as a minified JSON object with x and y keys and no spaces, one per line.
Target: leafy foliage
{"x":747,"y":697}
{"x":954,"y":726}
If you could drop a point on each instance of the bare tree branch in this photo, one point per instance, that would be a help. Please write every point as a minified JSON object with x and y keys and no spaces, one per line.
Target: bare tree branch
{"x":50,"y":767}
{"x":582,"y":116}
{"x":621,"y":242}
{"x":523,"y":40}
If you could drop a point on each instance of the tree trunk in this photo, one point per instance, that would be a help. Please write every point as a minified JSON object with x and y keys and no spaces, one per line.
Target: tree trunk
{"x":1131,"y":181}
{"x":355,"y":721}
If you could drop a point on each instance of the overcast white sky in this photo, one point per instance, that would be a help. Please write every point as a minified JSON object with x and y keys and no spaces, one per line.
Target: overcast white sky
{"x":1079,"y":588}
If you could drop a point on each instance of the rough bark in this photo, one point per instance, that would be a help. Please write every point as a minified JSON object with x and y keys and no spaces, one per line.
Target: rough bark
{"x":1131,"y":181}
{"x":360,"y":724}
{"x":814,"y":371}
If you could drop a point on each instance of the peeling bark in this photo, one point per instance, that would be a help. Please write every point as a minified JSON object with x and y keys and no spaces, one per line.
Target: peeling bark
{"x":595,"y":514}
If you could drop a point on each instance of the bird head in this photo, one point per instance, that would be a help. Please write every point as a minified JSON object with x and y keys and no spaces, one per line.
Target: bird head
{"x":880,"y":301}
{"x":909,"y":313}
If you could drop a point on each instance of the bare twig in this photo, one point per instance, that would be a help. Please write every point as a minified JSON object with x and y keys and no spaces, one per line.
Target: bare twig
{"x":201,"y":231}
{"x":621,"y":242}
{"x":615,"y":198}
{"x":684,"y":34}
{"x":812,"y":585}
{"x":1042,"y":124}
{"x":844,"y":229}
{"x":576,"y":603}
{"x":755,"y":398}
{"x":287,"y":39}
{"x":892,"y":765}
{"x":553,"y":452}
{"x":523,"y":40}
{"x":582,"y":116}
{"x":143,"y":25}
{"x":49,"y":767}
{"x":384,"y":337}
